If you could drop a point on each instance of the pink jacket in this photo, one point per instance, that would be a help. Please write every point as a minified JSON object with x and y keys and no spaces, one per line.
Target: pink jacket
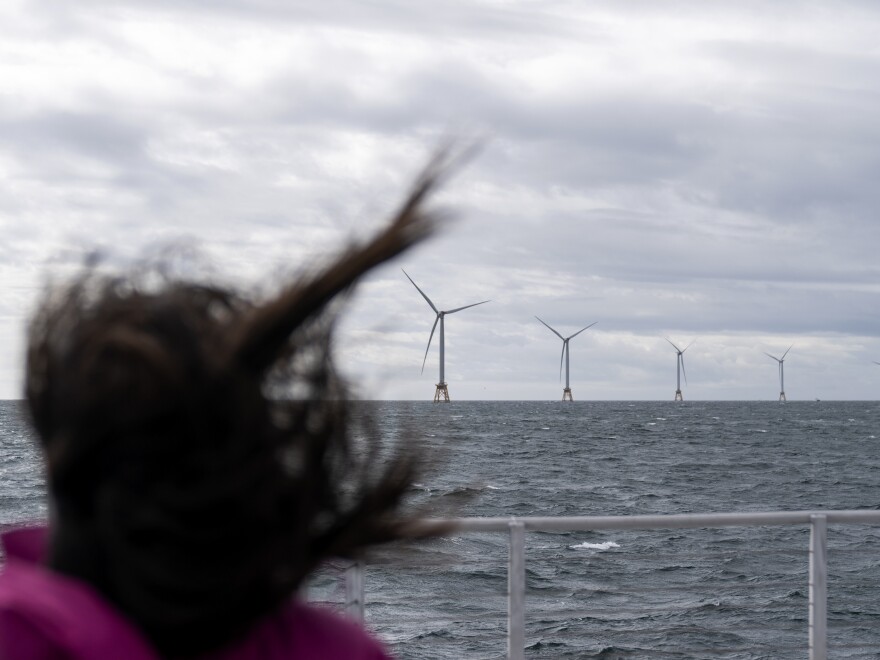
{"x":47,"y":616}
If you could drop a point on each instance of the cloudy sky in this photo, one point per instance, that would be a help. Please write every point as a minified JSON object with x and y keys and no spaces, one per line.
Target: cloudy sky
{"x":691,"y":170}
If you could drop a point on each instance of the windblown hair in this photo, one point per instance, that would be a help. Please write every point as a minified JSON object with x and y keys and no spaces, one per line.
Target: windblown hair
{"x":202,"y":456}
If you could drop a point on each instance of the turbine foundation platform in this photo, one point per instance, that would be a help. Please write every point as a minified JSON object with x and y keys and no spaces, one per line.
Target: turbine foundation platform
{"x":678,"y":396}
{"x":566,"y":394}
{"x":782,"y":396}
{"x":441,"y":393}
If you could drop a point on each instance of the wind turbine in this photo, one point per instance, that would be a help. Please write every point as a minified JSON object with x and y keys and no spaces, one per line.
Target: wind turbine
{"x":781,"y":362}
{"x":679,"y":367}
{"x":441,"y":393}
{"x":566,"y":393}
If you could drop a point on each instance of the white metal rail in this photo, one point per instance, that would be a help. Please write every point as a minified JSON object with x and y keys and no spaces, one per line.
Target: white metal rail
{"x":818,"y":522}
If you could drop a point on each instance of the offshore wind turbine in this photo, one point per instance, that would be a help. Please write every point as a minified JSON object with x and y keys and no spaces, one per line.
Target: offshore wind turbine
{"x":781,"y":362}
{"x":441,"y":393}
{"x":679,"y":367}
{"x":566,"y":393}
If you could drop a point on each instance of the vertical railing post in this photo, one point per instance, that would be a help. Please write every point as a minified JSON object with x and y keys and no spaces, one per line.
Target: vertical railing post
{"x":516,"y":591}
{"x":818,"y":587}
{"x":354,"y":590}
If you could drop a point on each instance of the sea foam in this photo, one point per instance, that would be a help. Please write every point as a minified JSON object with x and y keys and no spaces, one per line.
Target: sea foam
{"x":595,"y":546}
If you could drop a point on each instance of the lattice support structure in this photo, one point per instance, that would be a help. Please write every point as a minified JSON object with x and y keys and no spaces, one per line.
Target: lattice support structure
{"x":678,"y":396}
{"x":441,"y":393}
{"x":566,"y":394}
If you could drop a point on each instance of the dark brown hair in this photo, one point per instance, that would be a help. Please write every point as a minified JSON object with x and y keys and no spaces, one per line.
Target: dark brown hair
{"x":201,"y":450}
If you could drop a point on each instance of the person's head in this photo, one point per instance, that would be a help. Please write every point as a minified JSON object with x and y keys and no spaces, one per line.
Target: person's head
{"x":198,"y":442}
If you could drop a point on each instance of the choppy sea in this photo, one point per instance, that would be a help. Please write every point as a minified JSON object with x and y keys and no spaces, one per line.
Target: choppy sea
{"x":706,"y":593}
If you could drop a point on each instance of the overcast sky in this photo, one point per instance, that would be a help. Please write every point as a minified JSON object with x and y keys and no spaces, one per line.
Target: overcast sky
{"x":690,"y":170}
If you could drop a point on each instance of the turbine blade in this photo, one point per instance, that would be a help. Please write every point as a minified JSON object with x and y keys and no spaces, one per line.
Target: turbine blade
{"x":562,"y":357}
{"x":437,"y":311}
{"x":786,"y":351}
{"x":688,"y":346}
{"x":582,"y":329}
{"x":458,"y":309}
{"x":875,"y":362}
{"x":673,"y":345}
{"x":552,"y":330}
{"x":683,"y":372}
{"x":434,"y":327}
{"x":772,"y":356}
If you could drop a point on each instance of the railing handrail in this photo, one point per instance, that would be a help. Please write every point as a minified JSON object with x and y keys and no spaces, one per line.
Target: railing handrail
{"x":517,"y":526}
{"x":660,"y":521}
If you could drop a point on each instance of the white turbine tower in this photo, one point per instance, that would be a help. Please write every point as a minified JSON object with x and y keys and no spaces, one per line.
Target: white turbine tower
{"x":781,"y":362}
{"x":441,"y":393}
{"x":679,"y":367}
{"x":566,"y":393}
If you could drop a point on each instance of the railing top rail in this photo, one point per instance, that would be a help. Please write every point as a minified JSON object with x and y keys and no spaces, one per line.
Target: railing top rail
{"x":672,"y":521}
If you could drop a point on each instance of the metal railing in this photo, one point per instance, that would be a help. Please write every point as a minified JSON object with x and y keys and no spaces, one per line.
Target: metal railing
{"x":818,"y":522}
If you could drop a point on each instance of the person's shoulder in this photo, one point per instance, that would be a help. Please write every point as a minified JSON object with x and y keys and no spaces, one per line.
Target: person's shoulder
{"x":323,"y":621}
{"x":320,"y":627}
{"x":44,"y":615}
{"x":308,"y":632}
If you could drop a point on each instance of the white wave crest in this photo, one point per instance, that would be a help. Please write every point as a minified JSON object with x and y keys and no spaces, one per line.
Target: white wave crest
{"x":595,"y":546}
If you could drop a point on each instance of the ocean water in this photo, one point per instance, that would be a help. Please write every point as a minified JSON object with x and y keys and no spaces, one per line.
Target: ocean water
{"x":705,"y":593}
{"x":22,"y":486}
